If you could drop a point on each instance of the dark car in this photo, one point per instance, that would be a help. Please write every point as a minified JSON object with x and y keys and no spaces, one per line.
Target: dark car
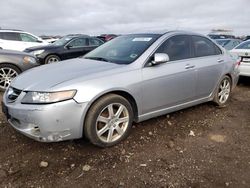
{"x":12,"y":63}
{"x":70,"y":46}
{"x":247,"y":38}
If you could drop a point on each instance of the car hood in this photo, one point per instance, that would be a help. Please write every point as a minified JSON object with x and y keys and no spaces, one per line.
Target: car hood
{"x":42,"y":47}
{"x":241,"y":52}
{"x":13,"y":52}
{"x":45,"y":77}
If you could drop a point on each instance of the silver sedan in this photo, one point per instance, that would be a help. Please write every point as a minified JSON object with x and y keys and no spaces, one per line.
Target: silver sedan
{"x":130,"y":79}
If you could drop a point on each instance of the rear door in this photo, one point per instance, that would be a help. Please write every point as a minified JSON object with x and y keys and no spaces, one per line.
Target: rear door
{"x":209,"y":62}
{"x":172,"y":83}
{"x":94,"y":43}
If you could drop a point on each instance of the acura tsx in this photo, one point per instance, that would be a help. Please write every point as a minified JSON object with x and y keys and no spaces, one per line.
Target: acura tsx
{"x":129,"y":79}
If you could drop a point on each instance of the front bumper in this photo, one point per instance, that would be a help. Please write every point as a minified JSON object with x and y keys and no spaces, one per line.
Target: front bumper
{"x":47,"y":123}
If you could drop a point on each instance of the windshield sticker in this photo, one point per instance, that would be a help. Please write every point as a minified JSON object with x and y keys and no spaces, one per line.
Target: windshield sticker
{"x":133,"y":56}
{"x":142,"y":39}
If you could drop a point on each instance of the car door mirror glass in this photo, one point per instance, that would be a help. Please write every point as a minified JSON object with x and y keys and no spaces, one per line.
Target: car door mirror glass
{"x":160,"y":58}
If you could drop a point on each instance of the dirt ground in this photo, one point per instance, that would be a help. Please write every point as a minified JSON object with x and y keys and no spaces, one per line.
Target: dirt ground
{"x":203,"y":146}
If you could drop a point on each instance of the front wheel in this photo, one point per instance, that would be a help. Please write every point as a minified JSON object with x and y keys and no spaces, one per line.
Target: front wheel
{"x":108,"y":121}
{"x":7,"y":73}
{"x":223,"y":91}
{"x":52,"y":59}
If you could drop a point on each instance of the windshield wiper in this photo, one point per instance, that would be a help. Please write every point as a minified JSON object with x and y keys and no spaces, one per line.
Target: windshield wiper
{"x":98,"y":58}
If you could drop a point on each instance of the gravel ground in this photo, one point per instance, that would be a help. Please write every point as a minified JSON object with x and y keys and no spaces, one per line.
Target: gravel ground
{"x":203,"y":146}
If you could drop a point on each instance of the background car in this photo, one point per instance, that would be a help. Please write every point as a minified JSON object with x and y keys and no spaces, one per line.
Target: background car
{"x":12,"y":63}
{"x":70,"y":46}
{"x":107,"y":37}
{"x":49,"y":39}
{"x":131,"y":78}
{"x":247,"y":38}
{"x":221,"y":36}
{"x":18,"y":40}
{"x":243,"y":51}
{"x":228,"y":44}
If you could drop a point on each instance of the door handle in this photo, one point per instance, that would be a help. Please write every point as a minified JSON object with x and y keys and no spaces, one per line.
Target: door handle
{"x":220,"y":60}
{"x":189,"y":66}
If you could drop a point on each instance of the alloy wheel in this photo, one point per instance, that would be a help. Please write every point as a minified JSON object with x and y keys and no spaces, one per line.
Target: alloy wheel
{"x":224,"y":91}
{"x":112,"y":122}
{"x":7,"y":74}
{"x":53,"y":60}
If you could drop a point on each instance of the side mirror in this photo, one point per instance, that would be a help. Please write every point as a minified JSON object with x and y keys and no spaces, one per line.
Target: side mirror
{"x":39,"y":41}
{"x":160,"y":58}
{"x":69,"y":46}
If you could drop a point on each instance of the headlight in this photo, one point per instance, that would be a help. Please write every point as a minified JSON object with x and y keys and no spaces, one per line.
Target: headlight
{"x":47,"y":97}
{"x":37,"y":52}
{"x":29,"y":60}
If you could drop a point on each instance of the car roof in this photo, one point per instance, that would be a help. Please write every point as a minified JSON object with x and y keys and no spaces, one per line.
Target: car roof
{"x":11,"y":30}
{"x":165,"y":32}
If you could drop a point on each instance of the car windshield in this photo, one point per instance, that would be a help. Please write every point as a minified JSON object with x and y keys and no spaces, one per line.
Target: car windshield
{"x":124,"y":49}
{"x":62,"y":41}
{"x":244,"y":45}
{"x":222,"y":42}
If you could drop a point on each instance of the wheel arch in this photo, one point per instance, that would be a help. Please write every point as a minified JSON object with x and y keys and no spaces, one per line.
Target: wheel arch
{"x":12,"y":64}
{"x":122,"y":93}
{"x":231,"y":78}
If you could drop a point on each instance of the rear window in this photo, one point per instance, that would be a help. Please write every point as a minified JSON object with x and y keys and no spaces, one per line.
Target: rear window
{"x":10,"y":36}
{"x":95,"y":42}
{"x":244,"y":45}
{"x":204,"y":47}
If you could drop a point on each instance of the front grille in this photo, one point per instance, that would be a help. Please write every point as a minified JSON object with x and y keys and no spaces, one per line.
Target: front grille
{"x":12,"y":94}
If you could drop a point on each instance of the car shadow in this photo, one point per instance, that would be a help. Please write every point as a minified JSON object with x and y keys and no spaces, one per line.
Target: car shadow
{"x":244,"y":81}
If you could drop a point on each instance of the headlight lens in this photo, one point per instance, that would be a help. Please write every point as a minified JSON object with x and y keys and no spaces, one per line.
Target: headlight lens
{"x":37,"y":52}
{"x":29,"y":60}
{"x":33,"y":97}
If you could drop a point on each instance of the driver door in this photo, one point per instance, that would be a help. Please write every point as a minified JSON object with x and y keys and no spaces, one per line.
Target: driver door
{"x":172,"y":83}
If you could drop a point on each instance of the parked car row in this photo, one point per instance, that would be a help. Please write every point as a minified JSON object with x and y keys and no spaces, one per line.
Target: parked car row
{"x":70,"y":46}
{"x":129,"y":79}
{"x":37,"y":52}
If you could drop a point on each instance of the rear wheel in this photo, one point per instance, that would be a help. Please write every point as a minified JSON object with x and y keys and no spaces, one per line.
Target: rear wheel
{"x":223,"y":91}
{"x":52,"y":59}
{"x":108,"y":121}
{"x":7,"y":73}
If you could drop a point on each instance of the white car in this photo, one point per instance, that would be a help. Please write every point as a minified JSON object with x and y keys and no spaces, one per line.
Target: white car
{"x":19,"y":40}
{"x":243,"y":51}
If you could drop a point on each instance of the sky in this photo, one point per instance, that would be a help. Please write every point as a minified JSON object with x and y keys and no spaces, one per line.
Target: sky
{"x":93,"y":17}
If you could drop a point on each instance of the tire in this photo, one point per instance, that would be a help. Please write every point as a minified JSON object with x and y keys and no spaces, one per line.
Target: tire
{"x":7,"y":73}
{"x":52,"y":59}
{"x":104,"y":128}
{"x":223,"y":92}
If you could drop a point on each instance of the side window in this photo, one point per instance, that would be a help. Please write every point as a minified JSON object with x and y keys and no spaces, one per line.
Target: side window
{"x":177,"y":47}
{"x":80,"y":42}
{"x":11,"y":36}
{"x":27,"y":38}
{"x":204,"y":47}
{"x":95,"y":42}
